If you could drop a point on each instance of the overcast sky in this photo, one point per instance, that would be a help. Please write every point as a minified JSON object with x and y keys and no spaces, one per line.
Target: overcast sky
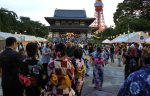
{"x":38,"y":9}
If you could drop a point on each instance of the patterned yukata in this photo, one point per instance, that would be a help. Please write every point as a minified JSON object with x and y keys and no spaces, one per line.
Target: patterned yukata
{"x":98,"y":71}
{"x":85,"y":61}
{"x":137,"y":83}
{"x":57,"y":67}
{"x":33,"y":68}
{"x":78,"y":84}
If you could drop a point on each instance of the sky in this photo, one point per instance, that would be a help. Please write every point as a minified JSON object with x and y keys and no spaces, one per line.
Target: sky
{"x":38,"y":9}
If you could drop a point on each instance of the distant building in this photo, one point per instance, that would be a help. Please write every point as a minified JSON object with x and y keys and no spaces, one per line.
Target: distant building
{"x":70,"y":23}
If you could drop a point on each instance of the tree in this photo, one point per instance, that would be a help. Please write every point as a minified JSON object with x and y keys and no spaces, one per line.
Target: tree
{"x":132,"y":12}
{"x":9,"y":23}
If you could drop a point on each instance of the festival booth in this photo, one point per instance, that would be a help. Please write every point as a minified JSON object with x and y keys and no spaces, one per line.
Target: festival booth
{"x":106,"y":41}
{"x":3,"y":37}
{"x":138,"y":37}
{"x":27,"y":38}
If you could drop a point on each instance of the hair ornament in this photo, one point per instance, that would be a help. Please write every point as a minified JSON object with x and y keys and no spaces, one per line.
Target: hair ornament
{"x":58,"y":53}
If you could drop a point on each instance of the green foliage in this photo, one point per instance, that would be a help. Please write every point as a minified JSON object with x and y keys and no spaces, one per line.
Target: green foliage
{"x":136,"y":13}
{"x":9,"y":23}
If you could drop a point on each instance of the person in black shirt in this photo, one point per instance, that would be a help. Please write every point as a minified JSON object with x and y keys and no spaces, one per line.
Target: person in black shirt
{"x":112,"y":54}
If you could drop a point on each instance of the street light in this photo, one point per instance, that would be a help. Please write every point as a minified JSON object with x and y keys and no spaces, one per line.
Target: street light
{"x":25,"y":31}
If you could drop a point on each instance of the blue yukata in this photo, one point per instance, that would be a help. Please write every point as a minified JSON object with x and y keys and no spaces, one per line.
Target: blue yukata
{"x":137,"y":84}
{"x":85,"y":61}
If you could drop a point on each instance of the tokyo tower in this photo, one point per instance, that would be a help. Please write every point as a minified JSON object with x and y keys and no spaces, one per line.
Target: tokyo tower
{"x":99,"y":21}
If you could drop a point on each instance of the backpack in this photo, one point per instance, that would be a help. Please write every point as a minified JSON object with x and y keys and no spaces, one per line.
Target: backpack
{"x":98,"y":59}
{"x":132,"y":65}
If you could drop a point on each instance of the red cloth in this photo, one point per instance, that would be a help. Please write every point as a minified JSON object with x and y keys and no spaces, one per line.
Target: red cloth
{"x":28,"y":81}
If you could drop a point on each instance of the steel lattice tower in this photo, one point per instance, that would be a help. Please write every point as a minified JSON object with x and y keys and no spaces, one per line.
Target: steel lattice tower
{"x":99,"y":21}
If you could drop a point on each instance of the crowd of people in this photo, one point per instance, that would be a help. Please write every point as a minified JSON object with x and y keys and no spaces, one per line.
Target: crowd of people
{"x":62,"y":68}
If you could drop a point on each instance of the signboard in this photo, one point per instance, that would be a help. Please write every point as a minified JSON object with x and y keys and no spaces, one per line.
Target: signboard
{"x":23,"y":41}
{"x":141,"y":37}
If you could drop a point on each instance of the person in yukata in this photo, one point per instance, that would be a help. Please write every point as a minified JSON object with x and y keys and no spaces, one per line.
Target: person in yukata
{"x":80,"y":68}
{"x":138,"y":83}
{"x":86,"y":58}
{"x":32,"y":74}
{"x":98,"y":70}
{"x":60,"y":74}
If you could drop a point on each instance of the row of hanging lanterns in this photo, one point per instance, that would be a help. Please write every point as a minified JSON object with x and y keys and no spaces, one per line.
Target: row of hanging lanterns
{"x":147,"y":34}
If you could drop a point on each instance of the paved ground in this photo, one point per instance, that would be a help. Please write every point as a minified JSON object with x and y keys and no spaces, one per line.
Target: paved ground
{"x":113,"y":80}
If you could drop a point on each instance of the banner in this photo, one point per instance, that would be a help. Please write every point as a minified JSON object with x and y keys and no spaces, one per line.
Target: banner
{"x":23,"y":41}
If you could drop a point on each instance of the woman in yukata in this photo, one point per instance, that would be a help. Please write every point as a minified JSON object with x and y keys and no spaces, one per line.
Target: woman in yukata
{"x":60,"y":74}
{"x":32,"y":73}
{"x":80,"y":68}
{"x":98,"y":69}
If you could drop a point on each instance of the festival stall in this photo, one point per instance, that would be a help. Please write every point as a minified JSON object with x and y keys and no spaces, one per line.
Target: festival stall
{"x":138,"y":37}
{"x":106,"y":41}
{"x":3,"y":37}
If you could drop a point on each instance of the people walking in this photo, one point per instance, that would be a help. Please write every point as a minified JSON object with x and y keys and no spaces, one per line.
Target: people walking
{"x":86,"y":58}
{"x":46,"y":54}
{"x":112,"y":54}
{"x":98,"y":69}
{"x":138,"y":83}
{"x":80,"y":68}
{"x":33,"y":71}
{"x":10,"y":62}
{"x":61,"y":74}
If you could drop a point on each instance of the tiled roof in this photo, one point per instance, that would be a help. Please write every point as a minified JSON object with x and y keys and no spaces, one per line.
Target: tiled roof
{"x":70,"y":13}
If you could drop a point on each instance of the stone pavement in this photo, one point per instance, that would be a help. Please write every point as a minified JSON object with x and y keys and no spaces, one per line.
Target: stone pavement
{"x":113,"y":80}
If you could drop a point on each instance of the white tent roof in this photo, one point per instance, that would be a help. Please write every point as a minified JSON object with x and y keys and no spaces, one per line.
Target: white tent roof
{"x":147,"y":40}
{"x":35,"y":38}
{"x":130,"y":37}
{"x":27,"y":38}
{"x":4,"y":35}
{"x":106,"y":41}
{"x":43,"y":39}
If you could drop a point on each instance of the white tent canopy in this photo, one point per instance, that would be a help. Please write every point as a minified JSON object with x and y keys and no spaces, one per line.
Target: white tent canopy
{"x":42,"y":39}
{"x":106,"y":41}
{"x":130,"y":37}
{"x":27,"y":38}
{"x":4,"y":35}
{"x":147,"y":40}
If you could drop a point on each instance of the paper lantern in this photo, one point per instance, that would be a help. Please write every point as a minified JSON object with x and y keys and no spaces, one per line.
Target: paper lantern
{"x":120,"y":34}
{"x":147,"y":34}
{"x":116,"y":35}
{"x":128,"y":31}
{"x":133,"y":32}
{"x":124,"y":33}
{"x":111,"y":37}
{"x":139,"y":33}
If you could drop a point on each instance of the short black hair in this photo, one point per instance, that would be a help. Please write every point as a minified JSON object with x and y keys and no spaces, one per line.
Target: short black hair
{"x":77,"y":53}
{"x":60,"y":47}
{"x":99,"y":49}
{"x":85,"y":46}
{"x":136,"y":44}
{"x":31,"y":49}
{"x":146,"y":59}
{"x":10,"y":41}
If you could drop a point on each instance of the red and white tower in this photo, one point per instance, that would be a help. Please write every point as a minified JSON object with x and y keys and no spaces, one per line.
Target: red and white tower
{"x":99,"y":21}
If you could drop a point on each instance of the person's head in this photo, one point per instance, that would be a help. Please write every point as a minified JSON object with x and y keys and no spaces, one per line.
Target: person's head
{"x":49,"y":45}
{"x":61,"y":49}
{"x":136,"y":46}
{"x":31,"y":49}
{"x":11,"y":42}
{"x":146,"y":59}
{"x":86,"y":47}
{"x":77,"y":53}
{"x":99,"y":49}
{"x":132,"y":52}
{"x":20,"y":43}
{"x":143,"y":53}
{"x":69,"y":43}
